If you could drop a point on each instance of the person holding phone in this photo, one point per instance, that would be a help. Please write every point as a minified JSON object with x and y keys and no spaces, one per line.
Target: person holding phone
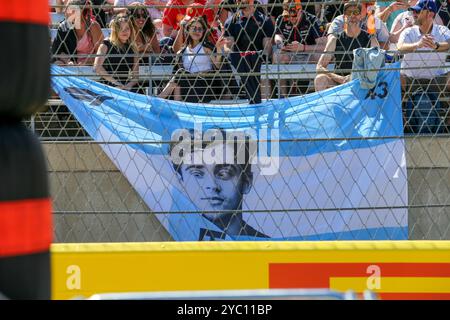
{"x":406,"y":20}
{"x":78,"y":37}
{"x":298,"y":35}
{"x":425,"y":47}
{"x":197,"y":59}
{"x":387,"y":11}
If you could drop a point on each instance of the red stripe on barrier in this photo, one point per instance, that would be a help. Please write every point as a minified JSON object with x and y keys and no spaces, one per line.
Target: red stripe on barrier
{"x":25,"y":226}
{"x":36,"y":11}
{"x":317,"y":275}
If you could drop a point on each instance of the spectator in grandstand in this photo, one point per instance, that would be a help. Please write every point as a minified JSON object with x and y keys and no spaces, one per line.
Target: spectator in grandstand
{"x":145,"y":33}
{"x":78,"y":36}
{"x":275,"y":9}
{"x":298,"y":35}
{"x":387,"y":11}
{"x":406,"y":20}
{"x":417,"y":42}
{"x":444,"y":12}
{"x":228,"y":8}
{"x":249,"y":36}
{"x":196,"y":58}
{"x":174,"y":13}
{"x":155,"y":8}
{"x":369,"y":23}
{"x":330,"y":9}
{"x":342,"y":46}
{"x":195,"y":10}
{"x":217,"y":188}
{"x":100,"y":13}
{"x":60,"y":5}
{"x":117,"y":62}
{"x":166,"y":54}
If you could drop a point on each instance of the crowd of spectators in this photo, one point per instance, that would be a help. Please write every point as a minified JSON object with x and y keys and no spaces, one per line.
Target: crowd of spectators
{"x":217,"y":44}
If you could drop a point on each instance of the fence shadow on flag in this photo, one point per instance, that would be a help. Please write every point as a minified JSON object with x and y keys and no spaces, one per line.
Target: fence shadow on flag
{"x":326,"y":166}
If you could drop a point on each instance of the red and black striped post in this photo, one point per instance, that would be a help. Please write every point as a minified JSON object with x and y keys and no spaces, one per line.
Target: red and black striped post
{"x":25,"y":204}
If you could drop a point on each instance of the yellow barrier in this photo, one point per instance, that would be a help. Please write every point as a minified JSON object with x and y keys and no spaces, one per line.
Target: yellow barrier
{"x":394,"y":269}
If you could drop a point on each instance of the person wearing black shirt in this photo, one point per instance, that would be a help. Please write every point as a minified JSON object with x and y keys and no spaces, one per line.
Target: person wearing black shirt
{"x":298,"y":35}
{"x":117,"y":62}
{"x":342,"y":46}
{"x":444,"y":12}
{"x":248,"y":36}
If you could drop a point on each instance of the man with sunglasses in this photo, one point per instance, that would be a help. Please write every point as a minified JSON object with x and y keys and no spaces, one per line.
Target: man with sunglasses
{"x":298,"y":35}
{"x":341,"y":46}
{"x":371,"y":25}
{"x":425,"y":47}
{"x":405,"y":20}
{"x":175,"y":13}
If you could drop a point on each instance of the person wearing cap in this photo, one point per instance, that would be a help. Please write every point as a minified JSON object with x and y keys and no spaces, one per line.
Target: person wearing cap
{"x":341,"y":46}
{"x":404,"y":21}
{"x":369,"y":23}
{"x":298,"y":35}
{"x":249,"y":36}
{"x":425,"y":47}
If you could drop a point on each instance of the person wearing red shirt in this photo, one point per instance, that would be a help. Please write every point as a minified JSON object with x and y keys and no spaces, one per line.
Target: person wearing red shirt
{"x":173,"y":14}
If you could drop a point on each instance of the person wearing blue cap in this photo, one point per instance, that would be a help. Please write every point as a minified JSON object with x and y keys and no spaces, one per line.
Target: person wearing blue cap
{"x":425,"y":46}
{"x":405,"y":20}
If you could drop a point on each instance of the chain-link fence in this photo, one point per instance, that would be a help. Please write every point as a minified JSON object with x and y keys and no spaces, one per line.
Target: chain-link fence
{"x":226,"y":57}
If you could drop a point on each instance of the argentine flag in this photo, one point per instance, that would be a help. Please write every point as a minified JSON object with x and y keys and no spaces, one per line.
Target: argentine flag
{"x":329,"y":165}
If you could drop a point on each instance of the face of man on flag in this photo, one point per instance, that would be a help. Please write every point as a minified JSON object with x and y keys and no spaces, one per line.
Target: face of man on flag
{"x":214,"y":186}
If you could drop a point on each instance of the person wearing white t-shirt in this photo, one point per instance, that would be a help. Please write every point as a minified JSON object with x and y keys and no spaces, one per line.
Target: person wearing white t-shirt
{"x":425,"y":47}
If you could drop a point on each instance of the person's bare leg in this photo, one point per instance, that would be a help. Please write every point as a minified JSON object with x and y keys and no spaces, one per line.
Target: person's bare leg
{"x":403,"y":82}
{"x":266,"y":89}
{"x":168,"y":90}
{"x":323,"y":82}
{"x":282,"y":58}
{"x":177,"y":93}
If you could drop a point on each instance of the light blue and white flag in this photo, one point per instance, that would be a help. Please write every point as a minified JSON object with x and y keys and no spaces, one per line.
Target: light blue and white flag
{"x":330,"y":165}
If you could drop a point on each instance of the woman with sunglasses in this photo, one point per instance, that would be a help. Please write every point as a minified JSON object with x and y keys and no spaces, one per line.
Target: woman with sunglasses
{"x":117,"y":61}
{"x":78,"y":36}
{"x":145,"y":33}
{"x":196,"y":59}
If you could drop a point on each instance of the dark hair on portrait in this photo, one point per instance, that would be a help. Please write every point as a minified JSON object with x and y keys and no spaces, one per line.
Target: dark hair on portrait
{"x":238,"y":146}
